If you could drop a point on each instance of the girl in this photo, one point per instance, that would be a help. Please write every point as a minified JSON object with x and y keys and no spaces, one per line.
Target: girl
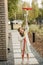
{"x":23,"y":43}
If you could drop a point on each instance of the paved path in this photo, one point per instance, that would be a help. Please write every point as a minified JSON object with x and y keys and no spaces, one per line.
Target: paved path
{"x":34,"y":59}
{"x":14,"y":57}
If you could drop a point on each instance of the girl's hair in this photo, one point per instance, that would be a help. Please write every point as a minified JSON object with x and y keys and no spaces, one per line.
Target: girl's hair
{"x":18,"y":29}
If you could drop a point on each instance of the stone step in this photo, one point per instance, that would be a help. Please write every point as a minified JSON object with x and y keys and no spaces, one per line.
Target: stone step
{"x":18,"y":55}
{"x":17,"y":51}
{"x":15,"y":35}
{"x":16,"y":47}
{"x":15,"y":38}
{"x":15,"y":41}
{"x":15,"y":44}
{"x":31,"y":61}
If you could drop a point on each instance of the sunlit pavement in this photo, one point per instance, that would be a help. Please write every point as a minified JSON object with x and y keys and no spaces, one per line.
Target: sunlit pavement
{"x":14,"y":57}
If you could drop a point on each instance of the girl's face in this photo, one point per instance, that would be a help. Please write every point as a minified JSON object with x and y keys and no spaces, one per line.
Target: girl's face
{"x":21,"y":30}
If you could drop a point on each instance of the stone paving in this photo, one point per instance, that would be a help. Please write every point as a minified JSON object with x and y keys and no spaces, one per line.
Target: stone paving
{"x":14,"y":57}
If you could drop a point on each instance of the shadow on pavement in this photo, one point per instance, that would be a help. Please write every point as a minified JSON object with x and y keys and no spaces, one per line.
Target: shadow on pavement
{"x":10,"y":53}
{"x":37,"y":56}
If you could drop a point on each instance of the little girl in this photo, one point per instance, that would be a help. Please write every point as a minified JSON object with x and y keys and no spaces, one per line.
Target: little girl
{"x":23,"y":44}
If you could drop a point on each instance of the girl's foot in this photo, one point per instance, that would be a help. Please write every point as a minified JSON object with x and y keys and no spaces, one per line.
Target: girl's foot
{"x":22,"y":62}
{"x":27,"y":61}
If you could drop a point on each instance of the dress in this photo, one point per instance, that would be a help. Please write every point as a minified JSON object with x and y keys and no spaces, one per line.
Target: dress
{"x":27,"y":39}
{"x":21,"y":39}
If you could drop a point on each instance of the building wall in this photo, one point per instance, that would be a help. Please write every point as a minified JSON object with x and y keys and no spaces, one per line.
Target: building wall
{"x":3,"y":30}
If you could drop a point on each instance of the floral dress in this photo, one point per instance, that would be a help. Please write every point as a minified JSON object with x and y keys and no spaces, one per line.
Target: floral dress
{"x":21,"y":40}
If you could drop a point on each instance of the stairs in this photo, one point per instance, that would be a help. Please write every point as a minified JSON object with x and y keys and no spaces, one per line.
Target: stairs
{"x":17,"y":51}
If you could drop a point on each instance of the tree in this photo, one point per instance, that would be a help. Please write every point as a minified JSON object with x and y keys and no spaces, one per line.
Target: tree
{"x":42,"y":3}
{"x":35,"y":9}
{"x":25,"y":5}
{"x":12,"y":8}
{"x":42,"y":8}
{"x":19,"y":11}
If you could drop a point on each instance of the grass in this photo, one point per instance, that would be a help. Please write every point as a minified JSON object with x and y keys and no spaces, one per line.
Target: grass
{"x":38,"y":44}
{"x":35,"y":28}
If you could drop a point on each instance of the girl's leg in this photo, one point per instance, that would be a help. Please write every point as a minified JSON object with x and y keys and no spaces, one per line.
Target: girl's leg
{"x":27,"y":58}
{"x":22,"y":57}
